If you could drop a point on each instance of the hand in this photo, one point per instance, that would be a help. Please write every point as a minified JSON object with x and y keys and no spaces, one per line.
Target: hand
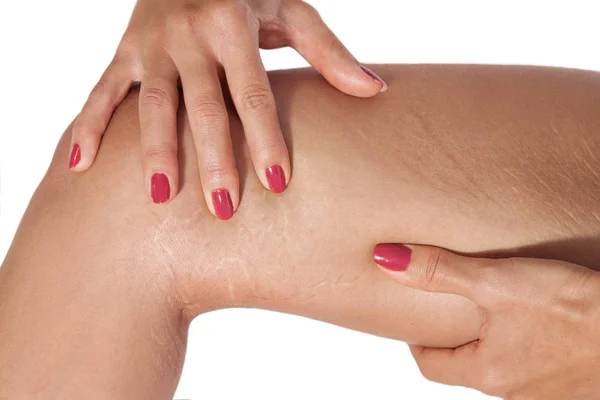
{"x":191,"y":40}
{"x":540,"y":332}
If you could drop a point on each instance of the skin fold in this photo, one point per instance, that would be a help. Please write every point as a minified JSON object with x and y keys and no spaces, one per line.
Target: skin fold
{"x":492,"y":161}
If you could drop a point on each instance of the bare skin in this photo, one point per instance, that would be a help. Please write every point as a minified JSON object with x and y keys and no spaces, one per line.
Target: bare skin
{"x":487,"y":160}
{"x":539,"y":339}
{"x":196,"y":41}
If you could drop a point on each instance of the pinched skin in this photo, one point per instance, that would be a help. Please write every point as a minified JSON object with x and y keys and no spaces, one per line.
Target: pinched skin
{"x":477,"y":159}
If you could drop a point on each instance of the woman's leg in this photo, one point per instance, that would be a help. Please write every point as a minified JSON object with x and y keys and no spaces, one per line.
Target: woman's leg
{"x":79,"y":315}
{"x":475,"y":159}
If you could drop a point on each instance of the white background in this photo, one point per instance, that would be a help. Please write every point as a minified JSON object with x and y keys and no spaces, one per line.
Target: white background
{"x":52,"y":52}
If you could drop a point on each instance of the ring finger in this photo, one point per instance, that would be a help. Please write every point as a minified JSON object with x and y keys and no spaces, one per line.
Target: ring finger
{"x":159,"y":101}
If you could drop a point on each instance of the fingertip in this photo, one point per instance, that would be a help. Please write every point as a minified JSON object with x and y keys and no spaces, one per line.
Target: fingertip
{"x":271,"y":160}
{"x":160,"y":188}
{"x":276,"y":179}
{"x":74,"y":157}
{"x":222,"y":204}
{"x":392,"y":256}
{"x":313,"y":39}
{"x":357,"y":81}
{"x":81,"y":156}
{"x":85,"y":142}
{"x":376,"y":78}
{"x":221,"y":191}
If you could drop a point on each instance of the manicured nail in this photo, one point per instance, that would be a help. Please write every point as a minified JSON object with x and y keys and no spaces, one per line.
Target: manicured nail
{"x":75,"y":156}
{"x":276,"y":178}
{"x":223,"y":205}
{"x":376,"y":78}
{"x":394,"y":257}
{"x":160,"y":188}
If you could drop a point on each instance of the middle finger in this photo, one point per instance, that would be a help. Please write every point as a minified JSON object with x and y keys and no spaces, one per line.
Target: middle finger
{"x":210,"y":127}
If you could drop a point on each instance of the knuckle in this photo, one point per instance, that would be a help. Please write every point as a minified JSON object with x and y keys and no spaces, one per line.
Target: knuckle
{"x":572,"y":302}
{"x":257,"y":99}
{"x":128,"y":45}
{"x":229,"y":19}
{"x":268,"y":148}
{"x":307,"y":10}
{"x":336,"y":47}
{"x":157,"y":152}
{"x":432,"y":273}
{"x":98,"y":91}
{"x":209,"y":113}
{"x":217,"y":171}
{"x":584,"y":287}
{"x":185,"y":21}
{"x":230,"y":11}
{"x":156,"y":98}
{"x":156,"y":29}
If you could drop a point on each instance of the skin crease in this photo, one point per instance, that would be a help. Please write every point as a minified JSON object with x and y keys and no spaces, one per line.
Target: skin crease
{"x":193,"y":42}
{"x":450,"y":156}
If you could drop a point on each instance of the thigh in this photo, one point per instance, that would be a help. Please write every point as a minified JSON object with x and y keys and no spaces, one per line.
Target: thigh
{"x":497,"y":160}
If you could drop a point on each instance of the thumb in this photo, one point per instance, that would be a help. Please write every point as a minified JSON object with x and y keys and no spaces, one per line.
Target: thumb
{"x":432,"y":269}
{"x":313,"y":39}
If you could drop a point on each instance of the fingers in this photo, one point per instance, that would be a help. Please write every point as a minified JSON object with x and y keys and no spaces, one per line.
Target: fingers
{"x":436,"y":270}
{"x":158,"y":103}
{"x":210,"y":128}
{"x":313,"y":39}
{"x":91,"y":123}
{"x":456,"y":367}
{"x":255,"y":103}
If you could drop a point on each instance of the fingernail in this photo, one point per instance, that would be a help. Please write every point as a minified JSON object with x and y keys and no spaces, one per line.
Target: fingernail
{"x":276,"y":178}
{"x":223,"y":205}
{"x":394,"y":257}
{"x":376,"y":78}
{"x":160,"y":188}
{"x":75,"y":156}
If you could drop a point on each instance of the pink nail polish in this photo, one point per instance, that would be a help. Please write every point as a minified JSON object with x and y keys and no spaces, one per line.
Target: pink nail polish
{"x":75,"y":156}
{"x":160,"y":188}
{"x":376,"y":78}
{"x":276,"y":178}
{"x":394,"y":257}
{"x":222,"y":203}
